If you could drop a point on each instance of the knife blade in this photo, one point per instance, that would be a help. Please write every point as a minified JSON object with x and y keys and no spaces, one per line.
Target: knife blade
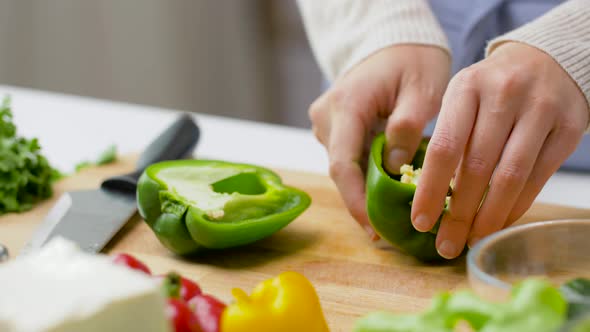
{"x":91,"y":218}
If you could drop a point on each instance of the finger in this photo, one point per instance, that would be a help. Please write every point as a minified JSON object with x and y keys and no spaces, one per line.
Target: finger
{"x":514,"y":168}
{"x":319,"y":114}
{"x":377,"y":128}
{"x":483,"y":151}
{"x":456,"y":119}
{"x":558,"y":146}
{"x":345,"y":149}
{"x":413,"y":110}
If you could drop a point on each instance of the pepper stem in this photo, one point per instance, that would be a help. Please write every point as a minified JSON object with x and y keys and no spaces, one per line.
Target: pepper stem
{"x":172,"y":285}
{"x":240,"y":295}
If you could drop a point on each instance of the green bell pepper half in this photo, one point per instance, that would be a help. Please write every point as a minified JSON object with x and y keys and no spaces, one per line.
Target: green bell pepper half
{"x":206,"y":204}
{"x":389,"y":204}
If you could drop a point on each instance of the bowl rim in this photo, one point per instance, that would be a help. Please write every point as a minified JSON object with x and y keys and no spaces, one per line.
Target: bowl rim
{"x":474,"y":253}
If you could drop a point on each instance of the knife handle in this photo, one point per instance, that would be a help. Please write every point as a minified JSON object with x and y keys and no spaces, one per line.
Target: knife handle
{"x":176,"y":142}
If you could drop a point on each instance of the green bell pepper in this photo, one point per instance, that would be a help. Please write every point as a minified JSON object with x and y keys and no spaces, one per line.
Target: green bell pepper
{"x":205,"y":204}
{"x":389,"y":203}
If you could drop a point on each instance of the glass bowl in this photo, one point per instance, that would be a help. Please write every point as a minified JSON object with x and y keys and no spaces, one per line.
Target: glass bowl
{"x":556,"y":250}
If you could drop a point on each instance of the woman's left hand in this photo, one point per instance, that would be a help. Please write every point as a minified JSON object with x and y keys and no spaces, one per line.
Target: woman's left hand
{"x":509,"y":122}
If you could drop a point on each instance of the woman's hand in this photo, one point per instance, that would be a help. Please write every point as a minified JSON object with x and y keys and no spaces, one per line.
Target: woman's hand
{"x":399,"y":88}
{"x":509,"y":122}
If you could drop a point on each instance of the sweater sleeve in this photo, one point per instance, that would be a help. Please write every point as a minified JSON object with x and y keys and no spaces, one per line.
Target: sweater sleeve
{"x":344,"y":32}
{"x":564,"y":34}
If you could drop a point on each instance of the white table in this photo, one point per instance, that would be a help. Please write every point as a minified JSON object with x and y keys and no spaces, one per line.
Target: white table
{"x":72,"y":128}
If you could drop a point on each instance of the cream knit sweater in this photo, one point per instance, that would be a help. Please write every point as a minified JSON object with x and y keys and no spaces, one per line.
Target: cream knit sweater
{"x":344,"y":32}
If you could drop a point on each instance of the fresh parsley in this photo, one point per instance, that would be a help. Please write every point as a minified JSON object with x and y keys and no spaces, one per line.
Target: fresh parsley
{"x":26,"y":176}
{"x":106,"y":157}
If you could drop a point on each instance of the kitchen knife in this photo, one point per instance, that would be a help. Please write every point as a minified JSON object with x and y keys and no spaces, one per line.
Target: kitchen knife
{"x":91,"y":218}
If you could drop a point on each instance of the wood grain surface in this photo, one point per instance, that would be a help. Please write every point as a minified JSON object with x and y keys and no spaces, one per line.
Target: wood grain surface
{"x":352,"y":275}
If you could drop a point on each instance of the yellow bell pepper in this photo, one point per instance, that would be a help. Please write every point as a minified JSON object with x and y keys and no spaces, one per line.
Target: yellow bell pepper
{"x":285,"y":303}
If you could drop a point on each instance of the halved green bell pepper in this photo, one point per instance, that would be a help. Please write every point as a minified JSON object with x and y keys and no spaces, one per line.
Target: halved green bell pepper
{"x":195,"y":204}
{"x":389,"y":205}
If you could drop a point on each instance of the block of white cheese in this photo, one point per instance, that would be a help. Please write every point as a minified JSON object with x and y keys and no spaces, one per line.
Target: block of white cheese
{"x":62,"y":289}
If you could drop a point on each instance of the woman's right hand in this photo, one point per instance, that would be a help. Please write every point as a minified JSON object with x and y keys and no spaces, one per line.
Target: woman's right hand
{"x":397,"y":89}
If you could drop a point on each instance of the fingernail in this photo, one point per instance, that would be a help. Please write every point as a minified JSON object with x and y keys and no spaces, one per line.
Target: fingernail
{"x":369,"y":231}
{"x":447,"y":249}
{"x":397,"y":157}
{"x":473,"y":241}
{"x":375,"y":237}
{"x":422,"y":223}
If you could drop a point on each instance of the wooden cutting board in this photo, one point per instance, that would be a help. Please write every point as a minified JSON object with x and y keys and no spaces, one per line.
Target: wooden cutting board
{"x":352,"y":275}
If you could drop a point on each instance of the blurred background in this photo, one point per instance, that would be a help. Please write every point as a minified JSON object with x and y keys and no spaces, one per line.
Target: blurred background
{"x":242,"y":59}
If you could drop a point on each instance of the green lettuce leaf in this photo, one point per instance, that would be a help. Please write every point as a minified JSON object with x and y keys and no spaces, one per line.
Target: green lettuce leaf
{"x":535,"y":306}
{"x":577,"y":293}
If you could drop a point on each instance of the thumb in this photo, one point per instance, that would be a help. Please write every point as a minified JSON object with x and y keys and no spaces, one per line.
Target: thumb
{"x":404,"y":129}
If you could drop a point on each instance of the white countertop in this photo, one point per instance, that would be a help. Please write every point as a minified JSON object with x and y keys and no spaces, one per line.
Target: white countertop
{"x":72,"y":128}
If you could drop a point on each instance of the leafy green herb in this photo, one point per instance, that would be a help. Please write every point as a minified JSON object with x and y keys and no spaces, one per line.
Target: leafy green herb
{"x":25,"y":174}
{"x":106,"y":157}
{"x":57,"y":175}
{"x":82,"y":165}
